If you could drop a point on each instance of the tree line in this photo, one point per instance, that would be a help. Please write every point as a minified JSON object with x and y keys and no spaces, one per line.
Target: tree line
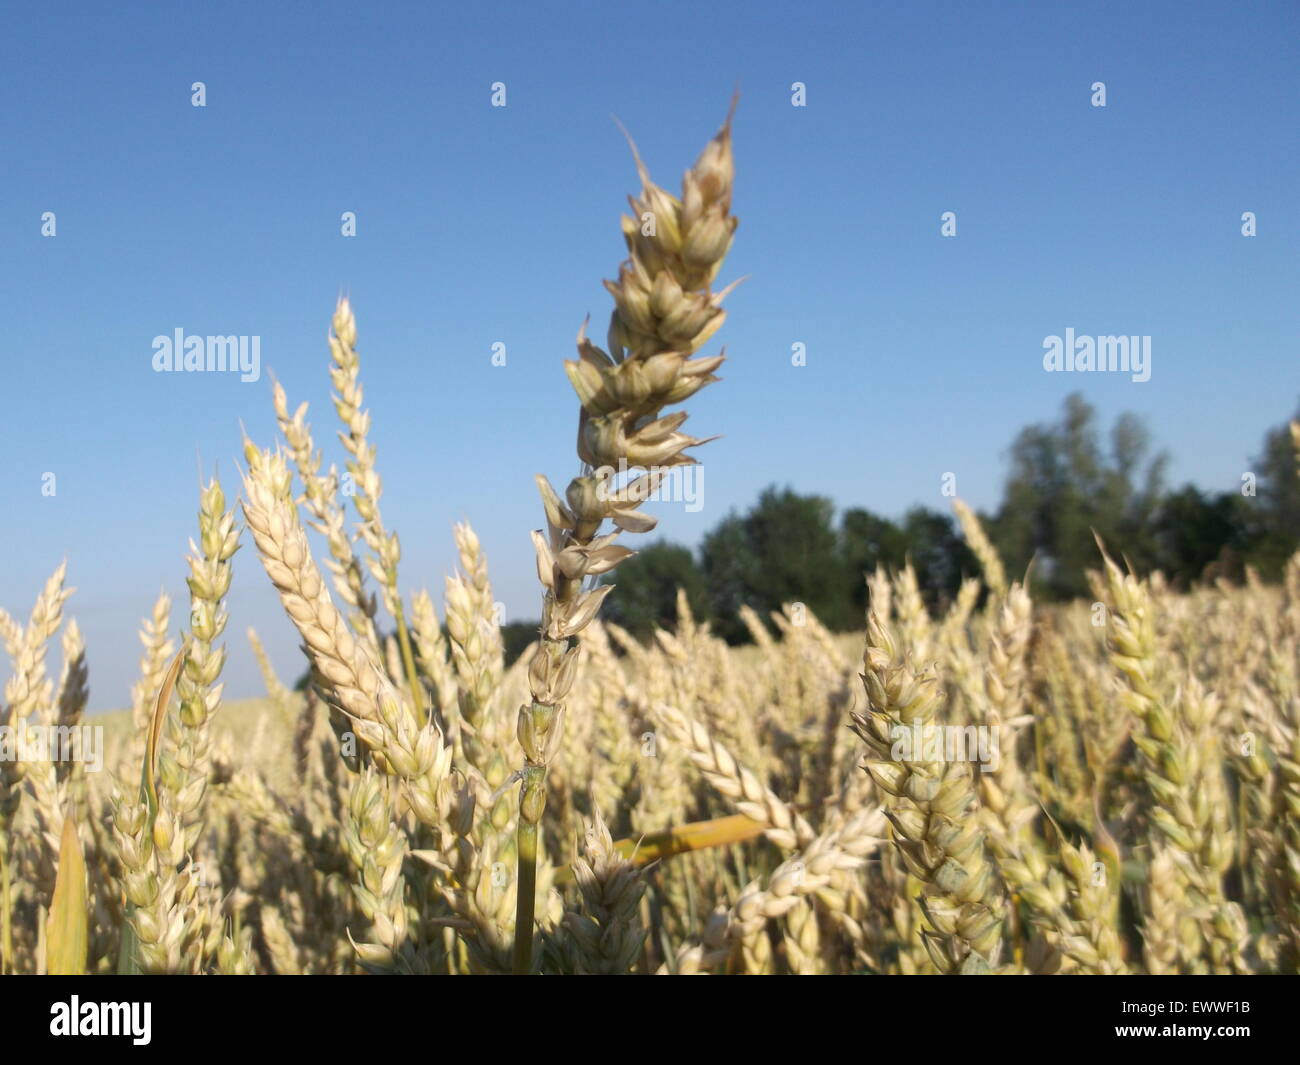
{"x":1065,"y":479}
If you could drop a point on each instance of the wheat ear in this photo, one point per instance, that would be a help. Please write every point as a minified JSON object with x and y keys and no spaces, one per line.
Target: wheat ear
{"x":932,"y":809}
{"x":345,"y":374}
{"x":783,"y":826}
{"x":664,"y":311}
{"x":385,"y":722}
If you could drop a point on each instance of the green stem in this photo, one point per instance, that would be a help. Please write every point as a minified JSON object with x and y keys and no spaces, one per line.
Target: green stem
{"x":526,"y":894}
{"x":1243,"y":812}
{"x":408,"y":662}
{"x":6,"y":907}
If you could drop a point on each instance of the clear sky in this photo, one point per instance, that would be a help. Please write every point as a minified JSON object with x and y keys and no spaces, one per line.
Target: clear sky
{"x":479,"y":225}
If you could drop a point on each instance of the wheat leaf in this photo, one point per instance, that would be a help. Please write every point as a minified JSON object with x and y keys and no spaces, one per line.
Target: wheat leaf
{"x":67,"y":931}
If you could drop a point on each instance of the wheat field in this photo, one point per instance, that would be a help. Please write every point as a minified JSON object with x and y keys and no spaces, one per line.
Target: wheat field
{"x":1106,"y":787}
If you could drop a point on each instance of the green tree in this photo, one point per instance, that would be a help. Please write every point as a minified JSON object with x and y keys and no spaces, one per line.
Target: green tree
{"x":516,"y":636}
{"x":1275,"y":507}
{"x":867,"y":541}
{"x":647,"y":588}
{"x":1199,"y":536}
{"x":730,"y":575}
{"x":939,"y":554}
{"x":1064,"y":484}
{"x":785,"y":548}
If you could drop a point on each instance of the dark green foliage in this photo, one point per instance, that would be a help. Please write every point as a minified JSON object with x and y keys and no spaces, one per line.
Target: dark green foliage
{"x":647,"y":589}
{"x":1064,"y":482}
{"x":1064,"y":485}
{"x":784,"y":549}
{"x":1200,"y":536}
{"x":1274,"y":523}
{"x":516,"y":636}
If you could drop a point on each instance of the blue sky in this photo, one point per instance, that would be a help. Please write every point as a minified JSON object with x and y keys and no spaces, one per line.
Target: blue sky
{"x":478,"y":225}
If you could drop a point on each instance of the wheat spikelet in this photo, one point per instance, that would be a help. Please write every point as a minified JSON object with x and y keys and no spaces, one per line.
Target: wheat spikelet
{"x":607,"y":935}
{"x":383,"y":721}
{"x":185,"y":767}
{"x":319,"y":497}
{"x":1183,"y":766}
{"x":932,"y":812}
{"x":982,"y":548}
{"x":787,"y":829}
